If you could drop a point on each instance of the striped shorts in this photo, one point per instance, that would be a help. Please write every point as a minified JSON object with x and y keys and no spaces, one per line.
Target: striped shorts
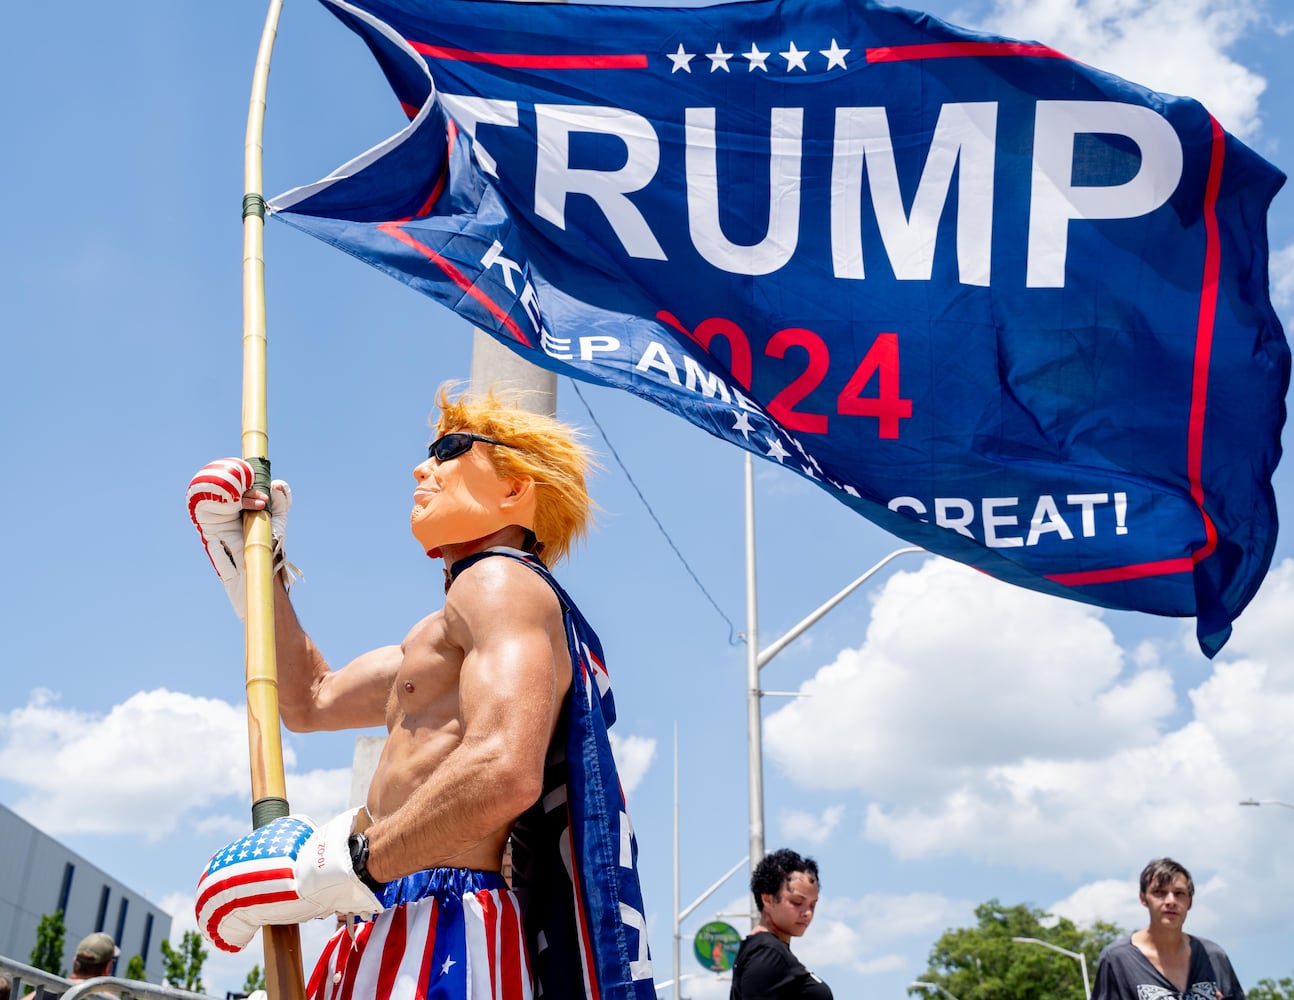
{"x":446,"y":934}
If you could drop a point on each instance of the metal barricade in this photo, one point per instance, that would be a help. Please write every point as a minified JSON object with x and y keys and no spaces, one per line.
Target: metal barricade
{"x":29,"y":983}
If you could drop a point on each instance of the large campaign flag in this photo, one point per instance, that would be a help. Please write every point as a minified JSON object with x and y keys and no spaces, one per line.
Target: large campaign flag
{"x":1010,"y":307}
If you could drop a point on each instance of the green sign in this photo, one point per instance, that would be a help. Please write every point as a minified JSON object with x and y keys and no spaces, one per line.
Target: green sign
{"x":716,"y":946}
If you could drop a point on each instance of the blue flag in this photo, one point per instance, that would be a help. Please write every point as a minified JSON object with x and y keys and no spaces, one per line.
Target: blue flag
{"x":1007,"y":306}
{"x":574,"y":853}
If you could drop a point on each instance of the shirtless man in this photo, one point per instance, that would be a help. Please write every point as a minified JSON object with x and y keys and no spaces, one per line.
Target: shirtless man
{"x":484,"y":744}
{"x":1162,"y":962}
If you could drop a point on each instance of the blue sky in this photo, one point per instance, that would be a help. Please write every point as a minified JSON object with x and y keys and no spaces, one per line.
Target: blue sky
{"x":961,"y":741}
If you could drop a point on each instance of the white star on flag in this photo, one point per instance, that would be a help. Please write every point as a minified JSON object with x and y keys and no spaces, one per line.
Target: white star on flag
{"x":794,"y":57}
{"x":719,"y":59}
{"x":835,"y":55}
{"x":805,"y":455}
{"x":449,"y":964}
{"x":681,"y":59}
{"x":775,"y":449}
{"x":756,"y":58}
{"x":743,"y":424}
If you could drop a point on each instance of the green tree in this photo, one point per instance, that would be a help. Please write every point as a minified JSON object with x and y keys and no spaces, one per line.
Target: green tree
{"x":1272,"y":989}
{"x":255,"y":980}
{"x":984,"y":963}
{"x":183,"y":965}
{"x":48,"y":953}
{"x":135,"y":969}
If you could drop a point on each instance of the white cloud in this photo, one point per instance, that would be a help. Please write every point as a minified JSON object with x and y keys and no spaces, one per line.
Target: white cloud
{"x":885,"y":918}
{"x":1111,"y":900}
{"x":1055,"y":815}
{"x":865,"y":935}
{"x":918,"y":707}
{"x":170,"y":755}
{"x":320,"y":794}
{"x":166,"y":753}
{"x":634,"y":755}
{"x":702,"y":986}
{"x":994,"y":725}
{"x":1281,"y":271}
{"x":1173,"y":46}
{"x":802,"y":827}
{"x":1262,"y":632}
{"x":829,"y":942}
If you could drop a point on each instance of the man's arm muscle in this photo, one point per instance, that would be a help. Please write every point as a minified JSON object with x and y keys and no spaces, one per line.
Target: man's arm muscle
{"x":515,"y":671}
{"x":314,"y":697}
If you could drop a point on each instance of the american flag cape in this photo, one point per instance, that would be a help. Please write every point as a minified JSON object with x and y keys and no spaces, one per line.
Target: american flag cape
{"x":574,"y":854}
{"x":1007,"y":306}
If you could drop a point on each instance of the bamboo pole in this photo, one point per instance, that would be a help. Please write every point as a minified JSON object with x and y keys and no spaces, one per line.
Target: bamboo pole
{"x":284,"y":978}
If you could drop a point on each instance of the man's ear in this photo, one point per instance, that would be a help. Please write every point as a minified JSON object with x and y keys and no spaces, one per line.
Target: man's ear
{"x":519,"y":494}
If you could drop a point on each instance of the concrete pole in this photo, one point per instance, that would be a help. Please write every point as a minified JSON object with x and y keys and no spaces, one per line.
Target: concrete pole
{"x":495,"y":365}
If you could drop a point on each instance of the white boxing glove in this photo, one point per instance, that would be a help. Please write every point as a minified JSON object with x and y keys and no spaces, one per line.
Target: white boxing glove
{"x":286,"y":872}
{"x":215,"y":508}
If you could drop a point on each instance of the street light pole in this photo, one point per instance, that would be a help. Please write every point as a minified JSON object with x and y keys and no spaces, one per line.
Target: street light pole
{"x":1077,"y":956}
{"x":756,"y":661}
{"x":754,"y":724}
{"x":921,"y":984}
{"x":681,"y":915}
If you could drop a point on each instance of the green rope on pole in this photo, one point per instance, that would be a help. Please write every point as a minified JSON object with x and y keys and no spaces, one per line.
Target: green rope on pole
{"x":267,"y":810}
{"x":253,"y":204}
{"x":260,"y":474}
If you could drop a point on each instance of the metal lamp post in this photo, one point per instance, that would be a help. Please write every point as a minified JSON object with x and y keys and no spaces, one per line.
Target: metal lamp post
{"x":755,"y":662}
{"x":921,"y":984}
{"x":1077,"y":956}
{"x":681,"y":915}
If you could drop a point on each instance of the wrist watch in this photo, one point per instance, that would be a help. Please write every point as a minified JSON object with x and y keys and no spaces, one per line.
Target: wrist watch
{"x":358,"y":844}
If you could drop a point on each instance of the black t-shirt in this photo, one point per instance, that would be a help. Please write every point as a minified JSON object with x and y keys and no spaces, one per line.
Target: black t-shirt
{"x":1124,"y":973}
{"x":766,"y":969}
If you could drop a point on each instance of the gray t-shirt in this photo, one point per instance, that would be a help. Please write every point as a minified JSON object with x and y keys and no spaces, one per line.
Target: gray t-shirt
{"x":1124,"y":973}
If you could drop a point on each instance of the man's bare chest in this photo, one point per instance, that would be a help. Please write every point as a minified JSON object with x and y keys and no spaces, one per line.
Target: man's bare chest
{"x":426,"y":686}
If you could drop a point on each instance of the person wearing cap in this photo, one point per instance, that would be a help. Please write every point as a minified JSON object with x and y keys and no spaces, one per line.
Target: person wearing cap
{"x":95,"y":956}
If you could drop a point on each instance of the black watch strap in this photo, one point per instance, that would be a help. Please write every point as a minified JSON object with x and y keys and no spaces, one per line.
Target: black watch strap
{"x":359,"y":861}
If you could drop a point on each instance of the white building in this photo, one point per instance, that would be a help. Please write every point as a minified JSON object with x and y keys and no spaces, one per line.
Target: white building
{"x":38,"y":875}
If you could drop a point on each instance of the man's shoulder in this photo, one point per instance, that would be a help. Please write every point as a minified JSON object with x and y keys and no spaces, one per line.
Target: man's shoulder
{"x":1120,"y":948}
{"x":1118,"y":944}
{"x":1211,"y":948}
{"x":501,"y":574}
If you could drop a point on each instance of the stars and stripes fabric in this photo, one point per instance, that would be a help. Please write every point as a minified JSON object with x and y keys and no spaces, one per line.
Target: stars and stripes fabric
{"x":574,"y":853}
{"x":1009,"y":307}
{"x":252,"y":882}
{"x":446,"y":934}
{"x":214,"y":500}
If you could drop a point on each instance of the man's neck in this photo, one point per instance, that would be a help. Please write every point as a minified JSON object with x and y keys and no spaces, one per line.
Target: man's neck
{"x":1163,"y":940}
{"x":512,"y":536}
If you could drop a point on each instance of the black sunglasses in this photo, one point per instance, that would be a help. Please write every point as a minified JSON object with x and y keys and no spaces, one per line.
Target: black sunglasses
{"x":450,"y":446}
